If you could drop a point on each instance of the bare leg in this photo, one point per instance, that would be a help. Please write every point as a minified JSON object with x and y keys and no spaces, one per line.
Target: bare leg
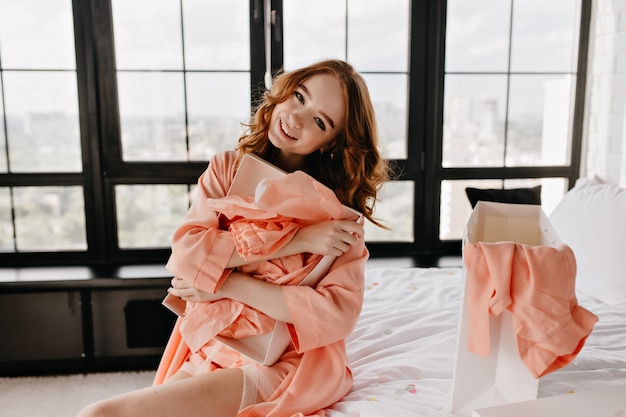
{"x":213,"y":394}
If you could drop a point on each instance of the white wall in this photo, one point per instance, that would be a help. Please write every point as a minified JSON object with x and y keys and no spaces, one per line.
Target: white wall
{"x":604,"y":140}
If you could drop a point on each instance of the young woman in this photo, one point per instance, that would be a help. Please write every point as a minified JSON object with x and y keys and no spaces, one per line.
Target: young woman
{"x":318,"y":120}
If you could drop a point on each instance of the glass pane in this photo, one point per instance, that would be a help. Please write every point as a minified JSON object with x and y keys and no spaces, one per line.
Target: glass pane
{"x":394,"y":210}
{"x":42,"y":121}
{"x":49,"y":218}
{"x":477,"y":35}
{"x":455,"y":207}
{"x":389,"y":95}
{"x":7,"y":240}
{"x":37,"y":34}
{"x":473,"y":121}
{"x":148,"y":215}
{"x":313,"y":30}
{"x":540,"y":109}
{"x":378,"y":34}
{"x":148,"y":34}
{"x":217,"y":34}
{"x":218,"y":105}
{"x":545,"y":35}
{"x":152,"y":113}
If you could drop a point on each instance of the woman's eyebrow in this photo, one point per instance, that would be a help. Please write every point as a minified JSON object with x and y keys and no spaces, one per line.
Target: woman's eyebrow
{"x":324,"y":115}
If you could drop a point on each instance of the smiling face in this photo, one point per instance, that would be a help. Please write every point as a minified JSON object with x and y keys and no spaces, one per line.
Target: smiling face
{"x":308,"y":120}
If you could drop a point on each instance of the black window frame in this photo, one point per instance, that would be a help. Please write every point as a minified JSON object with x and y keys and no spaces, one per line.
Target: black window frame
{"x":104,"y":168}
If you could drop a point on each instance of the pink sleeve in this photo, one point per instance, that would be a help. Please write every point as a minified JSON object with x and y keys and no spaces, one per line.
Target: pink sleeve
{"x":329,"y":312}
{"x":477,"y":294}
{"x":488,"y":279}
{"x":200,"y":250}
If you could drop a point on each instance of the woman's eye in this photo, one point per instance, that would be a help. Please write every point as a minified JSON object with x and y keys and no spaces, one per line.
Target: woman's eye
{"x":299,"y":96}
{"x":320,"y":123}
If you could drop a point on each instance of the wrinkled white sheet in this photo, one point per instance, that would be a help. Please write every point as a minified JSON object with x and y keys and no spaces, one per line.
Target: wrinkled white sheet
{"x":403,"y":348}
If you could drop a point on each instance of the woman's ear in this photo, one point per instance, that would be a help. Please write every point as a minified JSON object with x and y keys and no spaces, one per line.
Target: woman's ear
{"x":330,"y":146}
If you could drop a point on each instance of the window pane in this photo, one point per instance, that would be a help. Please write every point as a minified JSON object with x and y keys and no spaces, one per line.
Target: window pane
{"x":37,"y":34}
{"x":477,"y":35}
{"x":147,"y":34}
{"x":217,"y":34}
{"x":394,"y":210}
{"x":42,"y":121}
{"x":378,"y":34}
{"x":540,"y":109}
{"x":473,"y":126}
{"x":455,"y":207}
{"x":537,"y":109}
{"x":218,"y":105}
{"x":152,"y":113}
{"x":148,"y":215}
{"x":49,"y":218}
{"x":545,"y":35}
{"x":313,"y":30}
{"x":389,"y":94}
{"x":7,"y":240}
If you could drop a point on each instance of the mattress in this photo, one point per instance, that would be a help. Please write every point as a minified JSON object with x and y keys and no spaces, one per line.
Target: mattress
{"x":403,"y":348}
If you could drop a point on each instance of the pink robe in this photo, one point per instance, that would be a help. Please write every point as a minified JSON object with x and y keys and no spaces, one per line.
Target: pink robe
{"x":322,"y":317}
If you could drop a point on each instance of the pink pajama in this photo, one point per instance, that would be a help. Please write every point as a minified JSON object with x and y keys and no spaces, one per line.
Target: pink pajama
{"x":314,"y":372}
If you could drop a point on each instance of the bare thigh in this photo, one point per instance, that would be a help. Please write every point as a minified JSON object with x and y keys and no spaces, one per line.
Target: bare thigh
{"x":213,"y":394}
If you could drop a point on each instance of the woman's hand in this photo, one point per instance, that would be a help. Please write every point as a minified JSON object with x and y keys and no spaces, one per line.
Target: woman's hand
{"x":188,"y":292}
{"x":331,"y":237}
{"x":261,"y":295}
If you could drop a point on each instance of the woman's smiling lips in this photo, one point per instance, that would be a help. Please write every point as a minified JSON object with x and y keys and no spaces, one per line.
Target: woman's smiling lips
{"x":285,"y":130}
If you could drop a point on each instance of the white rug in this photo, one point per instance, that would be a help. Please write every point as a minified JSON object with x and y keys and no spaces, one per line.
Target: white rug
{"x":64,"y":396}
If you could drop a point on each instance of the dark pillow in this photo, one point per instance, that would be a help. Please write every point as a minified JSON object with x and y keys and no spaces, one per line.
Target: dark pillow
{"x":514,"y":195}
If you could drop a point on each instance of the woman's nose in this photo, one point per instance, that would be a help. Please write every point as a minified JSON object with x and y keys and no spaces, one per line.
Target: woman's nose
{"x":296,"y":118}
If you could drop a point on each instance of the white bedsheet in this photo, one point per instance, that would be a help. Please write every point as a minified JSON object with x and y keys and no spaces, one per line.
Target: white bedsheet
{"x":403,"y":348}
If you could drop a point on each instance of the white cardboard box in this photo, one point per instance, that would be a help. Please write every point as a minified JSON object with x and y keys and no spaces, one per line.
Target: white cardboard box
{"x":502,"y":377}
{"x":605,"y":402}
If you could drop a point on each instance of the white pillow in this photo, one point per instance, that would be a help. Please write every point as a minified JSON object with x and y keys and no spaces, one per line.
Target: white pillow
{"x":591,"y":219}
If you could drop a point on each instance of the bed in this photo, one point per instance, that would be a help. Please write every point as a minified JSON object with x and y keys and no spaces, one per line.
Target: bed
{"x":403,"y":348}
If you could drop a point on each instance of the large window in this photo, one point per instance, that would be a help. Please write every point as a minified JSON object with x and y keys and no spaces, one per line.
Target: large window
{"x":109,"y":113}
{"x":42,"y":205}
{"x":183,"y":83}
{"x":509,"y":100}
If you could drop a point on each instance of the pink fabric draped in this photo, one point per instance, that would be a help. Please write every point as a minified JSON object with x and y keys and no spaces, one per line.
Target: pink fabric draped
{"x":535,"y":283}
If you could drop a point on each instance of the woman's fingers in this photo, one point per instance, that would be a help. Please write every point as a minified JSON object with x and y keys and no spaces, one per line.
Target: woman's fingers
{"x":180,"y":288}
{"x":185,"y":291}
{"x":339,"y":236}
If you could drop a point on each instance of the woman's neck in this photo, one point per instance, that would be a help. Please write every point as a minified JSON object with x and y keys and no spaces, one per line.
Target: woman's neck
{"x":289,"y":163}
